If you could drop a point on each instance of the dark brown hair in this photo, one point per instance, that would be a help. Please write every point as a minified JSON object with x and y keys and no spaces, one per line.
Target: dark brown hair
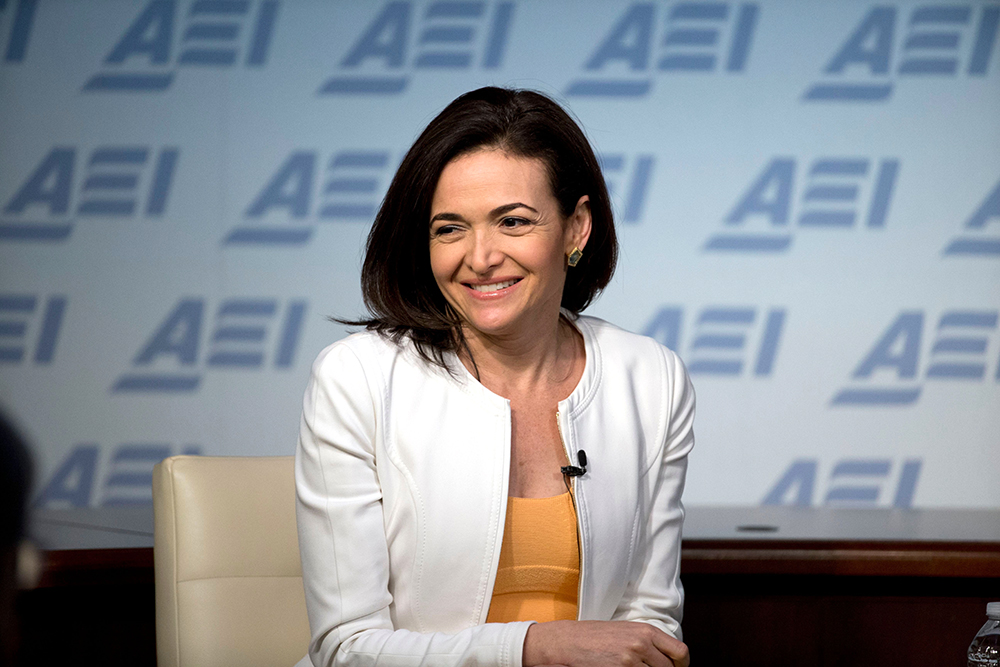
{"x":396,"y":280}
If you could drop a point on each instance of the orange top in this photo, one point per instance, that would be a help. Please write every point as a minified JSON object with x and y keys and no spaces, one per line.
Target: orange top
{"x":539,"y":569}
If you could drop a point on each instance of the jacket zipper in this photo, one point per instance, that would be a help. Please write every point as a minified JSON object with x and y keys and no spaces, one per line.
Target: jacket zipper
{"x":576,"y":512}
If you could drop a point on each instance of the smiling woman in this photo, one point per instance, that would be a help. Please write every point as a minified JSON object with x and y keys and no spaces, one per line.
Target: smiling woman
{"x":499,"y":244}
{"x":397,"y":284}
{"x":485,"y":476}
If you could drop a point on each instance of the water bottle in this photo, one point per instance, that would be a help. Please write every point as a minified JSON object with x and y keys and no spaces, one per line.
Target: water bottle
{"x":984,"y":651}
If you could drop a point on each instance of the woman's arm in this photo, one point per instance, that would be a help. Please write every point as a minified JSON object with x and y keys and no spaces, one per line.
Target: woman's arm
{"x":345,"y":559}
{"x":655,"y":596}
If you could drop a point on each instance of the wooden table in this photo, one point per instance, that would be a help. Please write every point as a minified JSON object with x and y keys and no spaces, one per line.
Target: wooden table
{"x":765,"y":586}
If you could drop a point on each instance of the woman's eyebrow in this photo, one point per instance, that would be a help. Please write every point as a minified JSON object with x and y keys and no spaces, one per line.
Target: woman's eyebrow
{"x":498,"y":211}
{"x":506,"y":208}
{"x":448,"y":217}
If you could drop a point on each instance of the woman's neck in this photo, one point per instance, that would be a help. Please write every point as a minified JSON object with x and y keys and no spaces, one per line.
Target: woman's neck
{"x":519,"y":363}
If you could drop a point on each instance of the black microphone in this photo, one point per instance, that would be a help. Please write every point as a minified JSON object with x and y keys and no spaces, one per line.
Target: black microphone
{"x":576,"y":471}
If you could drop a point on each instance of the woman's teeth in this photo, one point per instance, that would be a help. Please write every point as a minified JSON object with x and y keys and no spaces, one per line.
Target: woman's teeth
{"x":493,"y":287}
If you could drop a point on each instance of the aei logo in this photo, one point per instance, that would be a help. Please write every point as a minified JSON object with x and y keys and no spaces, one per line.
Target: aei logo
{"x":213,"y":33}
{"x":835,"y":193}
{"x":29,"y":327}
{"x":937,"y":41}
{"x":649,"y":39}
{"x":724,"y":340}
{"x":21,"y":18}
{"x":347,"y":188}
{"x":888,"y":374}
{"x":852,"y":483}
{"x":126,"y":480}
{"x":405,"y":38}
{"x":249,"y":333}
{"x":975,"y":241}
{"x":117,"y":181}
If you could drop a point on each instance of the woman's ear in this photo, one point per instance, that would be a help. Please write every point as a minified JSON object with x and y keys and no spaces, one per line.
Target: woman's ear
{"x":578,"y":225}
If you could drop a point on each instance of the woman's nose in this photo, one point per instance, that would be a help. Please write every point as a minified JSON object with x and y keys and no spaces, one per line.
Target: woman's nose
{"x":485,"y":253}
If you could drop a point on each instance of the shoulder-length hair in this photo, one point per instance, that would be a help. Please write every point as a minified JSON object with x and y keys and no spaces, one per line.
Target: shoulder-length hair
{"x":396,"y":280}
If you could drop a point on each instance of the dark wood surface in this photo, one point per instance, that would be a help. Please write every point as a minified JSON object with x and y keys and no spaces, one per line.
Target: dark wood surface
{"x":749,"y":602}
{"x":96,"y":567}
{"x":770,"y":620}
{"x":90,"y":607}
{"x":821,"y":603}
{"x":106,"y":624}
{"x":978,"y":560}
{"x":884,"y":558}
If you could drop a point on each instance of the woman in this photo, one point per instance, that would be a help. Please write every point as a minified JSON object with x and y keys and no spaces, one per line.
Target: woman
{"x":482,"y":457}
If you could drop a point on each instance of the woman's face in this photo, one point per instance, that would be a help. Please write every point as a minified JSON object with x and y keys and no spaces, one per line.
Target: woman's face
{"x":498,"y":242}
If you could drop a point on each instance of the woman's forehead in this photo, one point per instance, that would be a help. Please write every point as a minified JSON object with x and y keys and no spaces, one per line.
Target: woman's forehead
{"x":491,"y":174}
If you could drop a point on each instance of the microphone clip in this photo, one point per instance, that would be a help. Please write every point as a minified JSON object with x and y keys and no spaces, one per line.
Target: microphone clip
{"x":576,"y":471}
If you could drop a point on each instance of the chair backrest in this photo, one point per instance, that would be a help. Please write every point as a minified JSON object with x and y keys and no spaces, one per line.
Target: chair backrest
{"x":226,"y":557}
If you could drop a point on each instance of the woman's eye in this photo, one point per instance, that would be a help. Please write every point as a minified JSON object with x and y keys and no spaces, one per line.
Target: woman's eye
{"x":444,"y":230}
{"x":512,"y":223}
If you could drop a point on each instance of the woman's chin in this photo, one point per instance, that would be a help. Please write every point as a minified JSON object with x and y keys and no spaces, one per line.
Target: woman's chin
{"x":489,"y":330}
{"x":493,"y":325}
{"x":498,"y":321}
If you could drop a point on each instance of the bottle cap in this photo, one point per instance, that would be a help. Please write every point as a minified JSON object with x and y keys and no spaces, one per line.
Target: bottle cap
{"x":993,"y":611}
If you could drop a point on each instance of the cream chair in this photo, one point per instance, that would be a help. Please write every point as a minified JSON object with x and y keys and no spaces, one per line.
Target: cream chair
{"x":228,"y":577}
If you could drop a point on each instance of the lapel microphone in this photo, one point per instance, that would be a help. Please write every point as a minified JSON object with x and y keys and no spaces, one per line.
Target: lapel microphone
{"x":576,"y":471}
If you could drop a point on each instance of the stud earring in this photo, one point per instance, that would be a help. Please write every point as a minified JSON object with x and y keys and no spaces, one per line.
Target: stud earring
{"x":573,"y":258}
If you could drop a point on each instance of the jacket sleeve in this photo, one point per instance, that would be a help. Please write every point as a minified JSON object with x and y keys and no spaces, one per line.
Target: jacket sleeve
{"x":345,"y":557}
{"x":654,"y":595}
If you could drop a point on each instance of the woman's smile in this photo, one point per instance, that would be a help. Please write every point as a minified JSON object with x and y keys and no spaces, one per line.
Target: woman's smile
{"x":498,"y":242}
{"x":493,"y":288}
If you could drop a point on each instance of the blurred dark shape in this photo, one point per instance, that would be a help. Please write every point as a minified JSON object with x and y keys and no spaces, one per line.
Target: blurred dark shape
{"x":15,"y":482}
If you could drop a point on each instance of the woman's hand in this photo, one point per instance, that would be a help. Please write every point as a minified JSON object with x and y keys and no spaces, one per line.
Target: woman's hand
{"x":602,"y":644}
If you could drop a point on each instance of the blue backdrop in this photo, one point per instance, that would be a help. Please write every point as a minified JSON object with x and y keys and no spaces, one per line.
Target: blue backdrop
{"x":808,"y":198}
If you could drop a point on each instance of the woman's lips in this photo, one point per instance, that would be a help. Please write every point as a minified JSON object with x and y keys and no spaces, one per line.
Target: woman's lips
{"x":493,"y":288}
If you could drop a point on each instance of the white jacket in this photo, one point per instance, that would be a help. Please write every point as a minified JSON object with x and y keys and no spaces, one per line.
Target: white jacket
{"x":401,"y":475}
